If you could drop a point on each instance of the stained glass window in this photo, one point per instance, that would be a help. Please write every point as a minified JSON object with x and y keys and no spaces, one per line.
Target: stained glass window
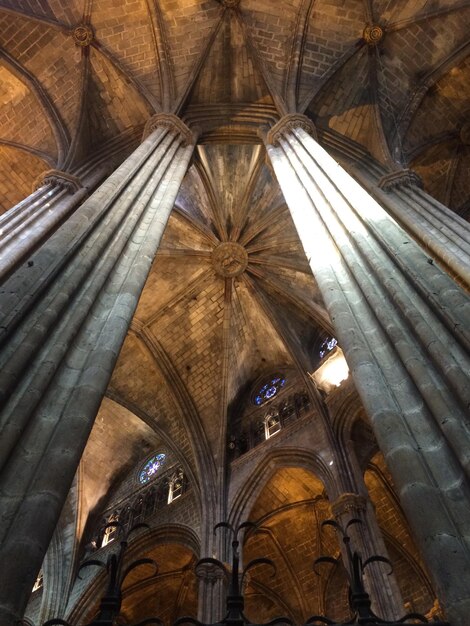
{"x":327,"y":346}
{"x":269,"y":390}
{"x":151,"y":467}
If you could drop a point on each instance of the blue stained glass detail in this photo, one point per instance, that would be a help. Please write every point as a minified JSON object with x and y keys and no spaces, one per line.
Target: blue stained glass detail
{"x":269,"y":390}
{"x":327,"y":346}
{"x":151,"y":468}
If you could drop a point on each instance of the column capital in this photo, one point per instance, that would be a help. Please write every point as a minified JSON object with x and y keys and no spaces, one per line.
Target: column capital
{"x":58,"y":178}
{"x":400,"y":178}
{"x":290,"y":122}
{"x":173,"y":122}
{"x":210,"y":573}
{"x":348,"y":503}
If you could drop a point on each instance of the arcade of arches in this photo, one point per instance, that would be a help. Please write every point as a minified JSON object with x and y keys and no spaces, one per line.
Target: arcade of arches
{"x":208,"y":208}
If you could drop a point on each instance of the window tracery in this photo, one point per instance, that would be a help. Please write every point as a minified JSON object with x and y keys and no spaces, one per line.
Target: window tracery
{"x":151,"y":468}
{"x":269,"y":390}
{"x":327,"y":346}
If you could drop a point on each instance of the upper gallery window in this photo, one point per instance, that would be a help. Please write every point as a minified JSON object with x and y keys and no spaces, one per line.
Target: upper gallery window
{"x":151,"y":467}
{"x":39,"y":581}
{"x":175,"y":486}
{"x":327,"y":346}
{"x":269,"y":390}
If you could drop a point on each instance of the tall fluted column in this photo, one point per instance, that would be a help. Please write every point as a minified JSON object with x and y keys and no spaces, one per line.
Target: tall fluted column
{"x":367,"y":540}
{"x":438,"y":229}
{"x":56,"y":196}
{"x":64,"y":316}
{"x":212,"y":592}
{"x":404,"y":326}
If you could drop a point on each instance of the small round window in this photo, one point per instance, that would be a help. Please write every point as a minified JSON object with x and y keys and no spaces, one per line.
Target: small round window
{"x":151,"y":467}
{"x":269,"y":390}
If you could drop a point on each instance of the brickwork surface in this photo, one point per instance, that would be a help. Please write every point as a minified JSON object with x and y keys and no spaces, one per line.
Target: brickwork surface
{"x":16,"y":170}
{"x":125,"y":30}
{"x":290,"y":509}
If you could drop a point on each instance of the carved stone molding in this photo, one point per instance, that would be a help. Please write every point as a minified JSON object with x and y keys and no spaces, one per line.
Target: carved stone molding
{"x":229,"y":259}
{"x":83,"y":35}
{"x":60,"y":179}
{"x":348,"y":503}
{"x":210,"y":573}
{"x":288,"y":123}
{"x":400,"y":178}
{"x":373,"y":34}
{"x":168,"y":120}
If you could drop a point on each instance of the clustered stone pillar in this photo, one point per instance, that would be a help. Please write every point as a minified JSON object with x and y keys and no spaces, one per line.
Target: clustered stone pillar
{"x":56,"y":194}
{"x":404,"y":327}
{"x":212,"y":592}
{"x":64,"y":316}
{"x":366,"y":538}
{"x":437,"y":228}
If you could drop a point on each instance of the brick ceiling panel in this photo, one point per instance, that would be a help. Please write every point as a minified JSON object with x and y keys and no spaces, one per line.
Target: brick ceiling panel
{"x":343,"y":106}
{"x":435,"y":165}
{"x":18,"y":170}
{"x":38,"y":8}
{"x":59,"y":70}
{"x":113,"y":104}
{"x":402,"y":10}
{"x":171,"y":595}
{"x":129,"y":36}
{"x":22,"y":119}
{"x":444,"y":109}
{"x":290,"y":509}
{"x":138,"y":380}
{"x":118,"y":441}
{"x":229,"y":73}
{"x":300,"y":285}
{"x":70,"y":12}
{"x":272,"y":26}
{"x":230,"y":169}
{"x":26,"y":40}
{"x":170,"y":279}
{"x":191,"y":331}
{"x":255,"y":343}
{"x":188,"y":26}
{"x":193,"y":200}
{"x":182,"y":233}
{"x":332,"y":33}
{"x":412,"y":52}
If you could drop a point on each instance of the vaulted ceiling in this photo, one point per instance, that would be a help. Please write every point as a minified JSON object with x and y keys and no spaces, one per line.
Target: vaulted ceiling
{"x":230,"y":295}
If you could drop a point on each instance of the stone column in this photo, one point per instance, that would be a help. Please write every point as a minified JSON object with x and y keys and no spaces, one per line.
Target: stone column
{"x":56,"y":195}
{"x":404,"y":326}
{"x":65,"y":315}
{"x":437,"y":228}
{"x":368,"y":541}
{"x":212,"y":593}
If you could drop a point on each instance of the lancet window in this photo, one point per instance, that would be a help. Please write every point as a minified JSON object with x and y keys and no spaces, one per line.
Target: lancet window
{"x":272,"y":424}
{"x":327,"y":346}
{"x":175,"y":486}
